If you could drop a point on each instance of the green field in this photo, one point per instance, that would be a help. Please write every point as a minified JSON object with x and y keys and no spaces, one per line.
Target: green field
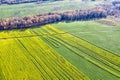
{"x":19,"y":10}
{"x":104,"y":36}
{"x":84,"y":50}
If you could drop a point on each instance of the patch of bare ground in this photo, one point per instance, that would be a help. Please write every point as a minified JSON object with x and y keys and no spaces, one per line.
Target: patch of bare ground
{"x":116,"y":19}
{"x":106,"y":22}
{"x":110,"y":20}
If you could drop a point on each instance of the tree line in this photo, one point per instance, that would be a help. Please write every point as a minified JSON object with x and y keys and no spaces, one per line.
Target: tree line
{"x":46,"y":18}
{"x":22,"y":1}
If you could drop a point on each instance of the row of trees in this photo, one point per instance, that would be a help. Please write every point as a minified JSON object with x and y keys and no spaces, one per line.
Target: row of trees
{"x":21,"y":1}
{"x":41,"y":19}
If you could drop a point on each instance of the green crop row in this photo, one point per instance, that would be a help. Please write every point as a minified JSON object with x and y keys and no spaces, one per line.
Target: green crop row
{"x":80,"y":44}
{"x":109,"y":56}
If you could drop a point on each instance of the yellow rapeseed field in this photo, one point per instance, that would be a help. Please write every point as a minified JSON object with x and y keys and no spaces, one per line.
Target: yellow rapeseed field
{"x":24,"y":57}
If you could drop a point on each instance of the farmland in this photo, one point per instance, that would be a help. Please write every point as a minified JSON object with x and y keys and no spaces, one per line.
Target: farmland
{"x":20,"y":10}
{"x":30,"y":42}
{"x":79,"y":50}
{"x":104,"y":36}
{"x":20,"y":60}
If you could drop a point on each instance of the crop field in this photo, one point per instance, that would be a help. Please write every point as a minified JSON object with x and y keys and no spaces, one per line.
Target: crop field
{"x":97,"y":56}
{"x":101,"y":35}
{"x":78,"y":50}
{"x":50,"y":53}
{"x":30,"y":58}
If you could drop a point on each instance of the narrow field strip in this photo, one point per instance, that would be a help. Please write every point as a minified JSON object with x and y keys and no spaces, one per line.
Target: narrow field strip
{"x":29,"y":33}
{"x":107,"y":58}
{"x":26,"y":58}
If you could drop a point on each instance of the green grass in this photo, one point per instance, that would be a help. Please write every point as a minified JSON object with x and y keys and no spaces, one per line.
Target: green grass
{"x":83,"y":65}
{"x":104,"y":36}
{"x":19,"y":10}
{"x":66,"y":38}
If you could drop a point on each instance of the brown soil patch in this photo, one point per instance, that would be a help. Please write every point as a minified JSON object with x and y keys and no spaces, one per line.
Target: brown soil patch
{"x":110,"y":23}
